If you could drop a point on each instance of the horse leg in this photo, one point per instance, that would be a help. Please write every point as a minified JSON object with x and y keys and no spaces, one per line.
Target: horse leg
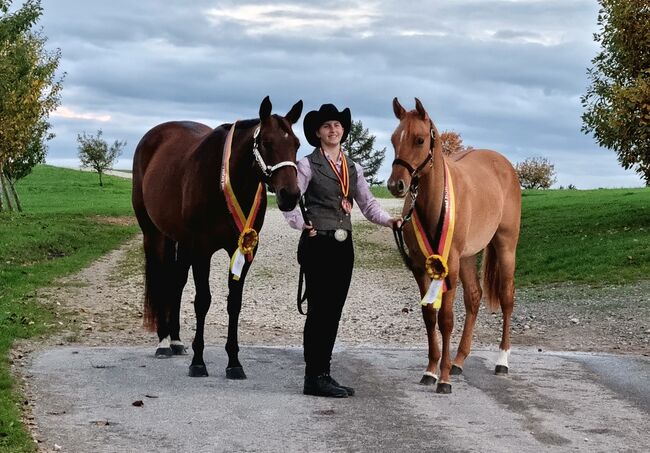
{"x":472,"y":297}
{"x":431,"y":374}
{"x":202,"y":301}
{"x":446,"y":323}
{"x":506,"y":259}
{"x":234,"y":370}
{"x":181,"y":268}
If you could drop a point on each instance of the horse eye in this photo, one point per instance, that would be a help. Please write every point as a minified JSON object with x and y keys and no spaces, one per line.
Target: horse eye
{"x":420,"y":141}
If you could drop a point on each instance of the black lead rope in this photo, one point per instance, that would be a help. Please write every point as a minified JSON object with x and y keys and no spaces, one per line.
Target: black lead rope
{"x":302,"y":295}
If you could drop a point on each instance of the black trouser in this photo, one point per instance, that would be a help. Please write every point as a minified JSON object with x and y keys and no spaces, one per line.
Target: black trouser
{"x":328,"y":270}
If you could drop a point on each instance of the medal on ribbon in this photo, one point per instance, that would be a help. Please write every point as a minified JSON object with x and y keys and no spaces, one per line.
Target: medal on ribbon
{"x":436,"y":259}
{"x":344,"y":180}
{"x":248,"y":237}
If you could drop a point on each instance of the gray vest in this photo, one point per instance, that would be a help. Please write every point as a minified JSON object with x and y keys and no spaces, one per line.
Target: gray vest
{"x":323,"y":195}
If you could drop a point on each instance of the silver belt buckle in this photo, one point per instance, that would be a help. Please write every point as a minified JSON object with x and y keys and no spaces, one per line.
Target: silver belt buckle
{"x":341,"y":235}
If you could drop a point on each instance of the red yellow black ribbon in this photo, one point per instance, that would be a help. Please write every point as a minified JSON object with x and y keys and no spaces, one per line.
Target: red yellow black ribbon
{"x":436,"y":259}
{"x":343,"y":176}
{"x":248,"y":237}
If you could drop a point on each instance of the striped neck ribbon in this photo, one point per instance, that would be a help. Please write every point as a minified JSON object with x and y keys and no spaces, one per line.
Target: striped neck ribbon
{"x":436,"y":259}
{"x":248,"y":237}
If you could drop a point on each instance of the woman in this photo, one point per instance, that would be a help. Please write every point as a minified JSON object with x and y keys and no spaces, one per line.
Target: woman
{"x":330,"y":182}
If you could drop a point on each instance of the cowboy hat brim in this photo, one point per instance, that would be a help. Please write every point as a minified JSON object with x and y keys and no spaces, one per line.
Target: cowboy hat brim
{"x":327,"y":112}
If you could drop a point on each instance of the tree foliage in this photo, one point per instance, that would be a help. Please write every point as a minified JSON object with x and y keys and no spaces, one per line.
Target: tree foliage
{"x":95,"y":153}
{"x":452,"y":143}
{"x":359,"y":145}
{"x":536,"y":173}
{"x":29,"y":90}
{"x":617,"y":102}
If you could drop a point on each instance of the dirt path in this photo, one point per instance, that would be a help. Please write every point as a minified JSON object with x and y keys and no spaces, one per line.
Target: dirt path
{"x":103,"y":304}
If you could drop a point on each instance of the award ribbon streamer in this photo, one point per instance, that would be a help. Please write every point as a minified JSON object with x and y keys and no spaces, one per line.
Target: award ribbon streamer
{"x":247,"y":235}
{"x":436,"y":263}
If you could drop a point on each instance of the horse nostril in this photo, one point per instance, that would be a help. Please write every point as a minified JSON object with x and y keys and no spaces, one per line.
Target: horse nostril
{"x":400,"y":186}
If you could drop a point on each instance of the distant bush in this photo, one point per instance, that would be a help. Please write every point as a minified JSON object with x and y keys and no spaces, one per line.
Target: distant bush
{"x":95,"y":153}
{"x":452,"y":143}
{"x":536,"y":173}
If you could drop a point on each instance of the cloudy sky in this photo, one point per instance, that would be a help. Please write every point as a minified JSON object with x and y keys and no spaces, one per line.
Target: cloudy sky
{"x":506,"y":74}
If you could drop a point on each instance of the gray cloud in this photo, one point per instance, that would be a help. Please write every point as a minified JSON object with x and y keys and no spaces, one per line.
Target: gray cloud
{"x":505,"y":74}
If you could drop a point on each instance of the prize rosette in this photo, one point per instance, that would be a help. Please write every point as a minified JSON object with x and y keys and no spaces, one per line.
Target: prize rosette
{"x":436,"y":267}
{"x":247,"y":241}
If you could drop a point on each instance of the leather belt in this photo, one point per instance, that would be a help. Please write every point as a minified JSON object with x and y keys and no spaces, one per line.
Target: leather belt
{"x":340,"y":234}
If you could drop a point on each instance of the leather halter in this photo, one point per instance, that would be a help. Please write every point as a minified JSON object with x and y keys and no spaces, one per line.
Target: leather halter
{"x":398,"y":232}
{"x":267,"y":170}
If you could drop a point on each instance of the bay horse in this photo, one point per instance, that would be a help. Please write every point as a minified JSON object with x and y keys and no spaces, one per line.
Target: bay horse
{"x":462,"y":204}
{"x":197,"y":190}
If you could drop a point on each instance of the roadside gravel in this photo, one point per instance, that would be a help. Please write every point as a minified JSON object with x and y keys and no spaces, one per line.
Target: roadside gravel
{"x":102,"y":305}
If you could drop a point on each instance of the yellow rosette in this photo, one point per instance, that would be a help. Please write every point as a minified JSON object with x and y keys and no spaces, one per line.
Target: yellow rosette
{"x":436,"y":267}
{"x":247,"y":241}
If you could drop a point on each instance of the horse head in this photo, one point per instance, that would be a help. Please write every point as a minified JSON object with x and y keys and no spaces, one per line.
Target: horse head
{"x":276,"y":146}
{"x":414,"y":141}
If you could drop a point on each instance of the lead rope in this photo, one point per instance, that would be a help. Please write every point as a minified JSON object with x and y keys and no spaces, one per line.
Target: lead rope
{"x":302,"y":296}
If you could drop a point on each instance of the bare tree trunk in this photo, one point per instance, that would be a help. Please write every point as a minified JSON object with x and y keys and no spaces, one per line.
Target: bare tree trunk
{"x":2,"y":203}
{"x":12,"y":187}
{"x":5,"y":192}
{"x":100,"y":179}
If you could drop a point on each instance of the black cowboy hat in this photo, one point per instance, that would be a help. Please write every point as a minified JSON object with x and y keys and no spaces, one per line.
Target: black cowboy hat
{"x":316,"y":118}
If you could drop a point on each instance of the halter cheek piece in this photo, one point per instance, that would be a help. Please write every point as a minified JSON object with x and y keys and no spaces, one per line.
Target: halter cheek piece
{"x":415,"y":172}
{"x":267,"y":170}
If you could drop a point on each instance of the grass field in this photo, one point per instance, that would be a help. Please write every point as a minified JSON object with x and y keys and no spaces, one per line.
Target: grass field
{"x":596,"y":237}
{"x":68,"y":222}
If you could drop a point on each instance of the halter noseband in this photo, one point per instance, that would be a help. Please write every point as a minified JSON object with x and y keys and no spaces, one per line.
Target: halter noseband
{"x":267,"y":170}
{"x":415,"y":172}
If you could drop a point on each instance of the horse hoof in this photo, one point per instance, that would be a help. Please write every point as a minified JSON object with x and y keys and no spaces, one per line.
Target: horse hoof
{"x":456,"y":370}
{"x":501,"y":370}
{"x":198,"y":371}
{"x":164,"y":353}
{"x":235,"y":372}
{"x":428,"y":380}
{"x":444,"y":388}
{"x":179,"y":349}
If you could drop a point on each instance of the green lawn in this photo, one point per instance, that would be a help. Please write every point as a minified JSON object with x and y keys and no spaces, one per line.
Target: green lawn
{"x":68,"y":222}
{"x":595,"y":237}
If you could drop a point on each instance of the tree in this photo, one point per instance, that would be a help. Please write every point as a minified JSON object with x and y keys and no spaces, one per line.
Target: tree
{"x":536,"y":173}
{"x":617,"y":102}
{"x":95,"y":153}
{"x":359,"y":145}
{"x":452,"y":143}
{"x":29,"y":91}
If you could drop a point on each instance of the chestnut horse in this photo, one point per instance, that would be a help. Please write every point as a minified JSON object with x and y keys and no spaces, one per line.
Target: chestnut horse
{"x":485,"y":195}
{"x":186,"y":214}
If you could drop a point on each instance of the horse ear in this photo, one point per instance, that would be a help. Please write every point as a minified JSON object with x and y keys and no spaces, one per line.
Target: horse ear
{"x":294,"y":113}
{"x":265,"y":108}
{"x":398,"y":109}
{"x":420,"y":109}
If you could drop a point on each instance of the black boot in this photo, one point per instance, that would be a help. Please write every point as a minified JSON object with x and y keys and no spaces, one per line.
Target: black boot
{"x":349,"y":390}
{"x":322,"y":385}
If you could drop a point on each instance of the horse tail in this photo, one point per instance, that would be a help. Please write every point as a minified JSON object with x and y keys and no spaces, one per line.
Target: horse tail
{"x":491,"y":279}
{"x":157,"y":278}
{"x":151,"y":274}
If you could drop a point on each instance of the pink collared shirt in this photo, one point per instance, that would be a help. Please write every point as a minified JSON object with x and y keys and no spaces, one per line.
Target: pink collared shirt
{"x":369,"y":206}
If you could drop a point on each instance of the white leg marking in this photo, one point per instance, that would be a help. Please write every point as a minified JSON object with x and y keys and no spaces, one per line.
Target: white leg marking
{"x":177,"y":342}
{"x":164,"y":343}
{"x":503,"y":357}
{"x":430,"y":374}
